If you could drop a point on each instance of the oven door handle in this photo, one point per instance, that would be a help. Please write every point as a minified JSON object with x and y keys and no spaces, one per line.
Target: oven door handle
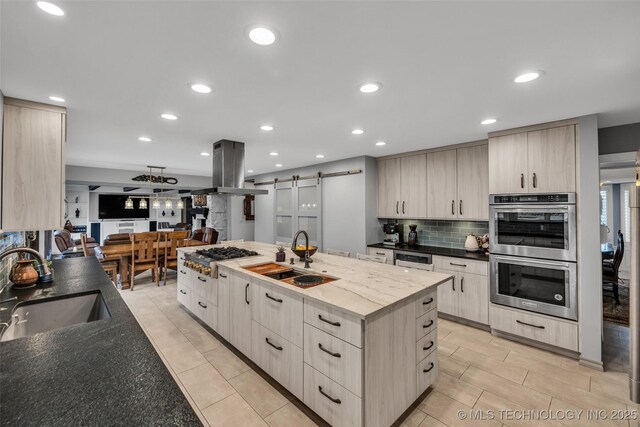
{"x":531,"y":261}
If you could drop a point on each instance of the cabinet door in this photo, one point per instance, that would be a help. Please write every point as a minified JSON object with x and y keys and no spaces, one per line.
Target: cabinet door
{"x":473,"y":298}
{"x":413,"y":203}
{"x":473,"y":182}
{"x":240,"y":312}
{"x":441,"y":185}
{"x":223,"y":303}
{"x":389,"y":188}
{"x":552,"y":160}
{"x":448,"y":295}
{"x":508,"y":164}
{"x":33,"y":169}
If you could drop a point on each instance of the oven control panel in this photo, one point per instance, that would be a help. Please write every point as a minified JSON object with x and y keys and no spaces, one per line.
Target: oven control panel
{"x":511,"y":199}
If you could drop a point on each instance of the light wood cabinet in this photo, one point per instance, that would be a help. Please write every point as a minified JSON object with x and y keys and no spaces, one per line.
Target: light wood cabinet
{"x":537,"y":161}
{"x":279,"y":311}
{"x":473,"y":299}
{"x":402,"y":187}
{"x":223,"y":302}
{"x":442,"y":185}
{"x":32,"y":166}
{"x":448,"y":296}
{"x":240,"y":312}
{"x":388,"y":253}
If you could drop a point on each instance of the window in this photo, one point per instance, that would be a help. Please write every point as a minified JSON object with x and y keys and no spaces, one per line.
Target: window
{"x":603,"y":207}
{"x":626,"y":213}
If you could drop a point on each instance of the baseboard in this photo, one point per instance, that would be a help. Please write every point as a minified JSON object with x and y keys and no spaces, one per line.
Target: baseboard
{"x":593,"y":364}
{"x":537,"y":344}
{"x":464,"y":321}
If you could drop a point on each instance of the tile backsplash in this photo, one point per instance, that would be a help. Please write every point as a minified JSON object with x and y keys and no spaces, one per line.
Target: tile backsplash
{"x":442,"y":233}
{"x":7,"y":241}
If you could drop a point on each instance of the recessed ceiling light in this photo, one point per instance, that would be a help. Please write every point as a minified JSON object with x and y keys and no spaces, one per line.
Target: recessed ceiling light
{"x":144,"y":139}
{"x":266,"y":127}
{"x":204,"y":153}
{"x":381,"y":143}
{"x":278,"y":165}
{"x":527,"y":77}
{"x":250,"y":171}
{"x":200,"y":88}
{"x":370,"y":87}
{"x":262,"y":35}
{"x":273,"y":153}
{"x":56,"y":98}
{"x":169,"y":116}
{"x":319,"y":156}
{"x":357,"y":131}
{"x":488,"y":121}
{"x":50,"y":8}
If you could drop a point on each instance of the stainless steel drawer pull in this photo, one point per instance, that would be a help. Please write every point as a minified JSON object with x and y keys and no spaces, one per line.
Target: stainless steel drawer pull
{"x":272,"y":298}
{"x":277,"y":347}
{"x":428,"y":325}
{"x":201,"y":279}
{"x":431,"y":344}
{"x":529,"y":324}
{"x":427,"y":302}
{"x":182,"y":292}
{"x":222,"y":275}
{"x":431,"y":365}
{"x":201,"y":305}
{"x":328,"y":321}
{"x":183,"y":272}
{"x":338,"y":401}
{"x":328,"y":352}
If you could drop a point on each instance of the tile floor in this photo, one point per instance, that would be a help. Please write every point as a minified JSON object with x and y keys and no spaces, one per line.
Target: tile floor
{"x":477,"y":371}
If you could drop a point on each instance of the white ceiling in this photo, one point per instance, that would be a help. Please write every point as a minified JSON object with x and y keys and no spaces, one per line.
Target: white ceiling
{"x":445,"y":66}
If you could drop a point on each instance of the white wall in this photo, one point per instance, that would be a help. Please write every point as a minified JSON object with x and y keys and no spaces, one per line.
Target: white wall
{"x":348,"y":204}
{"x":239,"y":227}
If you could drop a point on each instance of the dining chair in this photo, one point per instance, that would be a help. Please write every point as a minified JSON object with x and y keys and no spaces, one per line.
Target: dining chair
{"x":169,"y":260}
{"x":338,"y":252}
{"x":144,"y":255}
{"x":374,"y":258}
{"x":110,"y":267}
{"x":610,"y":268}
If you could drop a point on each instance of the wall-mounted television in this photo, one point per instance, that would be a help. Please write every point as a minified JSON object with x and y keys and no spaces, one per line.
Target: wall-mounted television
{"x":111,"y":206}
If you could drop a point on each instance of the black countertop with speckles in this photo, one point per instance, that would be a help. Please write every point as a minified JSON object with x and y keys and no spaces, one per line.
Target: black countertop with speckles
{"x":435,"y":250}
{"x":100,"y":373}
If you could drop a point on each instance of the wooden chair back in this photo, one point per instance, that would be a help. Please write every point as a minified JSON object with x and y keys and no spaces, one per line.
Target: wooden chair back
{"x":83,"y":240}
{"x":617,"y":258}
{"x":143,"y":246}
{"x":210,"y":236}
{"x":374,"y":258}
{"x":175,"y":240}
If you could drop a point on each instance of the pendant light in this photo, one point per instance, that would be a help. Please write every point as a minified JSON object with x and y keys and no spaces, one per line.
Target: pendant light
{"x":143,"y":204}
{"x":156,"y":203}
{"x":168,"y":204}
{"x":180,"y":204}
{"x":128,"y":204}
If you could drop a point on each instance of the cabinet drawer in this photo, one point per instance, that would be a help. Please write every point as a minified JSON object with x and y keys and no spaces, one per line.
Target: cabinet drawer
{"x":426,"y":323}
{"x":279,"y":311}
{"x":204,"y":310}
{"x":426,"y":345}
{"x":334,"y":403}
{"x":184,"y":276}
{"x":184,"y":294}
{"x":205,"y":286}
{"x":426,"y":302}
{"x":278,"y":357}
{"x":545,"y":329}
{"x":337,"y":359}
{"x":461,"y":264}
{"x":382,"y":252}
{"x":427,"y":372}
{"x":335,"y":322}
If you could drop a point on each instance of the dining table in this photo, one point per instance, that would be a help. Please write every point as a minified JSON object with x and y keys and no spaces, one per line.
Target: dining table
{"x":121,"y":253}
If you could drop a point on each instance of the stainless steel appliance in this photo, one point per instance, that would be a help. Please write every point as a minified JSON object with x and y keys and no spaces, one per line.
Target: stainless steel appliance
{"x":533,"y":225}
{"x":533,"y":252}
{"x":411,"y":257}
{"x":392,"y":234}
{"x":203,"y":260}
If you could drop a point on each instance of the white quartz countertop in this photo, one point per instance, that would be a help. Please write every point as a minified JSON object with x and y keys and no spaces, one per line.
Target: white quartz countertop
{"x":363,"y":288}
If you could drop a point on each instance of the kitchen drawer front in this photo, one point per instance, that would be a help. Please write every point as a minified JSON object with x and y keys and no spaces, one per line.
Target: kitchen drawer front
{"x":335,"y":322}
{"x":545,"y":329}
{"x":184,"y":294}
{"x":382,"y":252}
{"x":428,"y":378}
{"x":426,"y":323}
{"x":461,"y":264}
{"x":205,"y":286}
{"x":279,"y":311}
{"x":184,"y":276}
{"x":337,"y":406}
{"x":278,"y":357}
{"x":426,"y":345}
{"x":337,"y":359}
{"x":204,"y":310}
{"x":426,"y":302}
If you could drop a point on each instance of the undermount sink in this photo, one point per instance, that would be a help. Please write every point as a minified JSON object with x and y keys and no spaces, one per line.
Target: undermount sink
{"x":34,"y":317}
{"x":291,"y":276}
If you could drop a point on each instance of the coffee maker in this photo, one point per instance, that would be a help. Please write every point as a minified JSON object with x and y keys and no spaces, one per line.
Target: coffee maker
{"x":392,"y":234}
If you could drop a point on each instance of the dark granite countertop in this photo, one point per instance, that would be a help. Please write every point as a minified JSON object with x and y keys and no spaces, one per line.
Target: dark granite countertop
{"x":435,"y":250}
{"x":99,"y":373}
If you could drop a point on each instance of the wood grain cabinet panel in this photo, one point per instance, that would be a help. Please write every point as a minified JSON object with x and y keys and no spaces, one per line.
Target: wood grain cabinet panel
{"x":448,"y":296}
{"x":389,"y":188}
{"x":32,"y":166}
{"x":279,"y":311}
{"x":552,"y":160}
{"x":427,"y":372}
{"x":426,"y":323}
{"x":426,"y":302}
{"x":442,"y":185}
{"x":343,"y":325}
{"x":473,"y":299}
{"x":413,"y":200}
{"x":473,"y":182}
{"x":240,"y":312}
{"x":508,"y":171}
{"x":223,"y":302}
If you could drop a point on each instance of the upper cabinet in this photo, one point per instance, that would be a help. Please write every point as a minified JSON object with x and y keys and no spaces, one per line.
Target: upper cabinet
{"x":458,"y":183}
{"x":32,"y":166}
{"x":402,"y":191}
{"x":538,"y":161}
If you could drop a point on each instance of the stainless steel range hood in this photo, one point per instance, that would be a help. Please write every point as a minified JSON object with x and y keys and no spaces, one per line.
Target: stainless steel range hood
{"x":228,"y":170}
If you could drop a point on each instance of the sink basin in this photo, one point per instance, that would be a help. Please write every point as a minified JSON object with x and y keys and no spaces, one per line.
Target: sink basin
{"x":34,"y":317}
{"x":289,"y":275}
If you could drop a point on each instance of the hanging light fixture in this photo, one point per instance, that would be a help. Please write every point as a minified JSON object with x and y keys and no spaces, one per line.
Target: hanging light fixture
{"x":143,"y":204}
{"x":168,"y":204}
{"x":156,"y":203}
{"x":128,"y":204}
{"x":180,"y":204}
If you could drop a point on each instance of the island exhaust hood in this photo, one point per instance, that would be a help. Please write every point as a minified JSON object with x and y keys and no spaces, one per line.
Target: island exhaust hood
{"x":228,"y":170}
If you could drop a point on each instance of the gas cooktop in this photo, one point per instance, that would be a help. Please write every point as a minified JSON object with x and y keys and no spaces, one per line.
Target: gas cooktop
{"x":229,"y":252}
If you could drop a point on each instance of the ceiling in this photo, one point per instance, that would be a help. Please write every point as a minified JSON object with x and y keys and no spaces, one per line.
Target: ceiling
{"x":444,"y":66}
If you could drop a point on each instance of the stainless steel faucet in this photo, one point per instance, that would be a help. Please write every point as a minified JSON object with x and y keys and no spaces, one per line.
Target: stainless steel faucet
{"x":44,"y":272}
{"x":306,"y":251}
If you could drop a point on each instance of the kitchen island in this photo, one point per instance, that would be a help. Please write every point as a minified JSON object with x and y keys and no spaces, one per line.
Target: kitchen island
{"x":105,"y":372}
{"x":358,"y":350}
